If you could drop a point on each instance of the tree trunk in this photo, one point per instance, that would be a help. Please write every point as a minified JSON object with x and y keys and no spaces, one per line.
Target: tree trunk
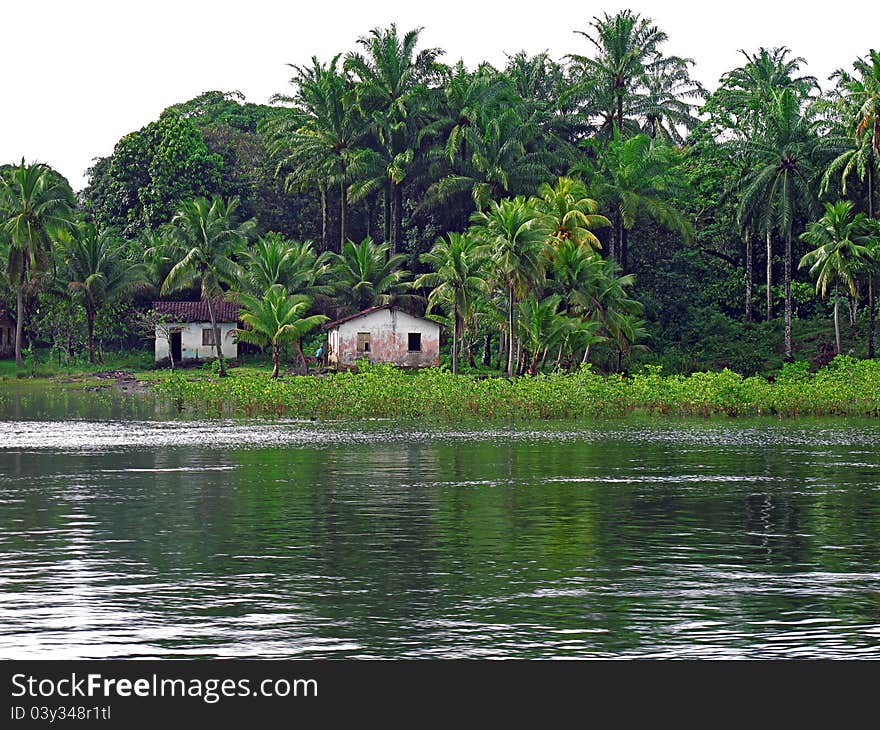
{"x":300,"y":359}
{"x":343,"y":209}
{"x":455,"y":340}
{"x":748,"y":278}
{"x":397,"y":219}
{"x":276,"y":359}
{"x":620,"y":114}
{"x":487,"y":350}
{"x":836,"y":318}
{"x":90,"y":329}
{"x":624,"y":248}
{"x":788,"y":293}
{"x":19,"y":313}
{"x":509,"y":331}
{"x":387,"y":221}
{"x":217,"y":343}
{"x":369,"y":210}
{"x":769,"y":276}
{"x":323,"y":219}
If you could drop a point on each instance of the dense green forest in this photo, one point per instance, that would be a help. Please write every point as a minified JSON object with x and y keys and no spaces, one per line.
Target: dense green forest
{"x":601,"y":207}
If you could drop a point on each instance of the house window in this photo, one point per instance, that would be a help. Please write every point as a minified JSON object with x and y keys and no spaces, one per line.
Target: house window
{"x":208,"y":336}
{"x":363,"y":342}
{"x":415,"y":342}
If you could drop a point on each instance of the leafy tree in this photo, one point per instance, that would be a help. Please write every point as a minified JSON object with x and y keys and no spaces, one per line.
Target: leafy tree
{"x":35,"y":202}
{"x":276,"y":318}
{"x":209,"y":239}
{"x":150,"y":173}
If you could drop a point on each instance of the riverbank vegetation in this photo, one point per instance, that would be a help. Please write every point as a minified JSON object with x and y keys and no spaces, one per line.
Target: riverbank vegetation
{"x":598,"y":209}
{"x":846,"y":387}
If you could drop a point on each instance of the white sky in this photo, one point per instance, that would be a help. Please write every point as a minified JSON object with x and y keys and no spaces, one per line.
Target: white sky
{"x":78,"y":75}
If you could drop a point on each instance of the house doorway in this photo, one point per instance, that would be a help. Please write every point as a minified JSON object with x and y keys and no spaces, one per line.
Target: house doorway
{"x":176,"y":346}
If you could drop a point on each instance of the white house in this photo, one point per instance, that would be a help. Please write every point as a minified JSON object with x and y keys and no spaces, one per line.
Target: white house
{"x":383,"y":334}
{"x":184,"y":331}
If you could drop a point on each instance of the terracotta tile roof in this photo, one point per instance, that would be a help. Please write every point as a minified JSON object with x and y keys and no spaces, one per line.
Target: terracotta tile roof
{"x":198,"y":311}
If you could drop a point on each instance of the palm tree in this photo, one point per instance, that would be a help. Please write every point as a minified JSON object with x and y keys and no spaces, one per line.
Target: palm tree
{"x":571,"y":214}
{"x":209,"y":240}
{"x":627,"y":73}
{"x":457,"y":280}
{"x":739,"y":108}
{"x":839,"y":253}
{"x":99,"y":269}
{"x":365,"y":275}
{"x":636,"y":177}
{"x":745,"y":93}
{"x":667,"y":103}
{"x":276,"y":318}
{"x":516,"y":234}
{"x":858,"y":109}
{"x":392,"y":90}
{"x":496,"y":160}
{"x":541,"y":326}
{"x":779,"y":186}
{"x":275,"y":260}
{"x":318,"y":140}
{"x":35,"y":201}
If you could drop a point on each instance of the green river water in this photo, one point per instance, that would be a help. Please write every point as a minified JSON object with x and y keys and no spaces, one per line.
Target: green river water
{"x":125,"y":533}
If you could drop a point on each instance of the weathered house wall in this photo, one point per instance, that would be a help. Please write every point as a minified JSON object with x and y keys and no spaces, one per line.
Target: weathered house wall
{"x":388,"y":334}
{"x":192,"y":337}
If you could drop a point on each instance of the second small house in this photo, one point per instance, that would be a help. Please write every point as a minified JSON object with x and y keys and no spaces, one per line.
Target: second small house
{"x":383,"y":334}
{"x":184,"y":330}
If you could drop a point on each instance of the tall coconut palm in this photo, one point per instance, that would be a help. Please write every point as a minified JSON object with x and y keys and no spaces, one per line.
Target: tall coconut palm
{"x":392,"y":90}
{"x":318,"y":139}
{"x":516,"y":234}
{"x":210,"y":240}
{"x":35,"y":201}
{"x":839,"y":254}
{"x":739,"y":109}
{"x":99,"y":269}
{"x":779,"y":186}
{"x":458,"y":280}
{"x":365,"y":275}
{"x":276,"y":318}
